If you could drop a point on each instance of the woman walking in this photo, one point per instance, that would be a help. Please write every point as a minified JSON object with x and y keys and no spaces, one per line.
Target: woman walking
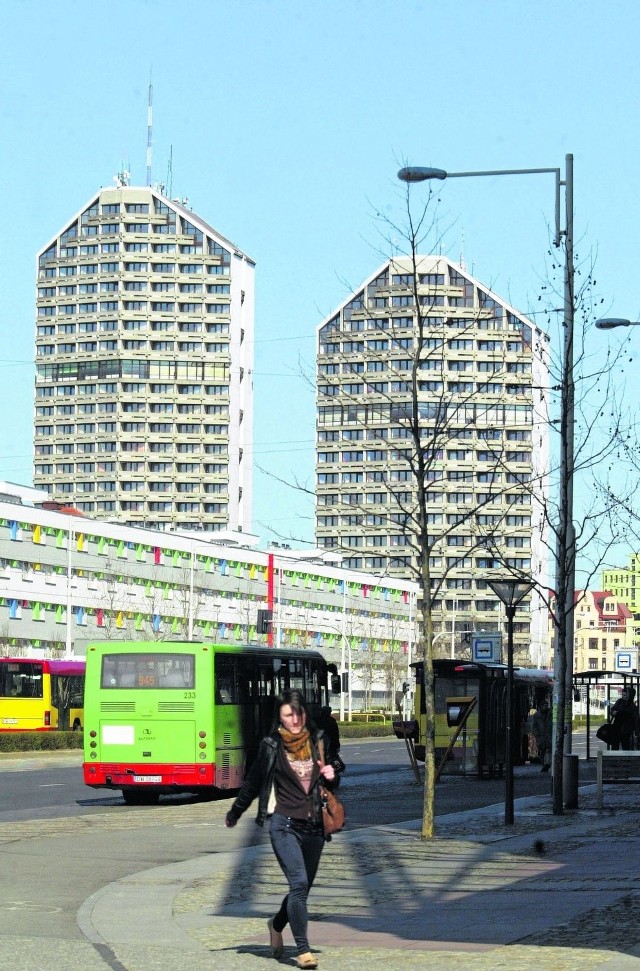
{"x":285,"y":776}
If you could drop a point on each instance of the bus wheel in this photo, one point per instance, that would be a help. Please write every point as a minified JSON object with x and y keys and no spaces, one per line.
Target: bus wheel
{"x":136,"y":797}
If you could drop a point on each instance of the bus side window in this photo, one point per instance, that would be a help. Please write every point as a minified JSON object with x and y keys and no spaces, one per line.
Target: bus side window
{"x":244,"y":682}
{"x":76,"y":691}
{"x":296,"y":677}
{"x":225,"y":680}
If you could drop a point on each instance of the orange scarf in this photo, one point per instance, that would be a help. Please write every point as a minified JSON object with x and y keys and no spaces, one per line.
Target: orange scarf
{"x":297,"y":747}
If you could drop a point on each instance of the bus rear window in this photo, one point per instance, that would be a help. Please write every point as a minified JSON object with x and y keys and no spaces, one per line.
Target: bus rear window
{"x":20,"y":680}
{"x":67,"y":689}
{"x":148,"y":671}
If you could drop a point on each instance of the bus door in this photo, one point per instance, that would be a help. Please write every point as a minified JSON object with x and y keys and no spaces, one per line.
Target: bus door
{"x":259,"y":678}
{"x":67,"y":700}
{"x":523,"y":711}
{"x":488,"y":755}
{"x":494,"y":724}
{"x":235,"y":722}
{"x":272,"y":679}
{"x":303,"y":676}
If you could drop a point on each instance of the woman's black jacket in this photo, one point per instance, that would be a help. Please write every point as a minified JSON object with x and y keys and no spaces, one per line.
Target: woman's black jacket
{"x":259,"y":780}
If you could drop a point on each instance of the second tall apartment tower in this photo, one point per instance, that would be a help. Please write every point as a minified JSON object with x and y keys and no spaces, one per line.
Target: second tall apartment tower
{"x":424,"y":350}
{"x":144,"y":359}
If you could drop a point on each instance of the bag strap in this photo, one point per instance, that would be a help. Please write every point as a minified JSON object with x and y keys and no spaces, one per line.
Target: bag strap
{"x":320,"y":747}
{"x":321,"y":762}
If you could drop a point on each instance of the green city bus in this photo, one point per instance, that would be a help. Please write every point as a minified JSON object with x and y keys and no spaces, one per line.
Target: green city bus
{"x":168,"y":717}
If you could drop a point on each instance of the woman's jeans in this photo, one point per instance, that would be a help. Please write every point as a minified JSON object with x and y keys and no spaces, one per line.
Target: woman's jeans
{"x":298,"y":846}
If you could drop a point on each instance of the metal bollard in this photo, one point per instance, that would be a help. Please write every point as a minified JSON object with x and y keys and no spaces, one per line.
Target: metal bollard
{"x":570,"y":781}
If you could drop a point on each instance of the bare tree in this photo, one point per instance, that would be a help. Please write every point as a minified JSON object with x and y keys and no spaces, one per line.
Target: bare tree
{"x":394,"y":669}
{"x":116,"y":623}
{"x":520,"y":476}
{"x":426,"y":413}
{"x":5,"y":643}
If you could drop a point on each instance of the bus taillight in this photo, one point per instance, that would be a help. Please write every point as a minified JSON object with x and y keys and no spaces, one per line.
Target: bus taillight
{"x":47,"y":719}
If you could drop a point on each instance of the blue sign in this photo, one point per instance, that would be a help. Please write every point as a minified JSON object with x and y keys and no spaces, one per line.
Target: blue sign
{"x":486,"y":648}
{"x":626,"y":660}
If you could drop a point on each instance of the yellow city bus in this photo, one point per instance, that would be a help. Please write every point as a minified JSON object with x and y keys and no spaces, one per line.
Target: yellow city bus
{"x":39,"y":695}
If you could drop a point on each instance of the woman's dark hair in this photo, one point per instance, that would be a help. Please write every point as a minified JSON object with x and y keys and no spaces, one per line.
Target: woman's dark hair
{"x":291,"y":697}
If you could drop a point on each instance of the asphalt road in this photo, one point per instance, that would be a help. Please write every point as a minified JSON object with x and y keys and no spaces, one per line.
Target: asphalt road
{"x":378,"y":783}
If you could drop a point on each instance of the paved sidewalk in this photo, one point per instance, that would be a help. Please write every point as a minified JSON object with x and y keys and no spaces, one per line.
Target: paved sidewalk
{"x":551,"y":892}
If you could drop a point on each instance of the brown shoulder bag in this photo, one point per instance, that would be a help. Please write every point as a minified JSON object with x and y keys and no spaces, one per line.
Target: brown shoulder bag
{"x":333,"y":814}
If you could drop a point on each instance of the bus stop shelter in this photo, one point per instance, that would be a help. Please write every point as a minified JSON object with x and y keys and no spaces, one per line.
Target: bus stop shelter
{"x":603,"y":688}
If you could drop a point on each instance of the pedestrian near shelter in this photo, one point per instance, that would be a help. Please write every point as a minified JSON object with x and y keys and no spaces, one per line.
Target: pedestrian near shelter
{"x":601,"y":689}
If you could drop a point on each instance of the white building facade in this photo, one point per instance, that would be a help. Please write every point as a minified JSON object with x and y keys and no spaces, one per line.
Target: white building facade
{"x":144,"y":359}
{"x":67,"y":580}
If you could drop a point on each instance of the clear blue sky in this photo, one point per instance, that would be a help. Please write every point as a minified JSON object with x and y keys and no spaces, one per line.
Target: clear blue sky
{"x":288,"y":121}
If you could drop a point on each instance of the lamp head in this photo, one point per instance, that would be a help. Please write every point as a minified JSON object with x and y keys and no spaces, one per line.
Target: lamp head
{"x":417,"y":173}
{"x":608,"y":323}
{"x":510,"y":590}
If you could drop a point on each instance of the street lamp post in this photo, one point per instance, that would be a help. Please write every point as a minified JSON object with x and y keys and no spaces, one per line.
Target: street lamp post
{"x":565,"y":530}
{"x":68,"y":644}
{"x":510,"y":591}
{"x":343,"y":643}
{"x":453,"y":629}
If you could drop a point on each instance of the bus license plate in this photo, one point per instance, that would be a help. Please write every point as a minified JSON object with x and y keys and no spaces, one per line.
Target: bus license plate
{"x":147,"y":778}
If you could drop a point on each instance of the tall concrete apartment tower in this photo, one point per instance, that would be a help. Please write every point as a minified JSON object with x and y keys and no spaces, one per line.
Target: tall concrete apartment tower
{"x":483,"y":368}
{"x":144,"y":357}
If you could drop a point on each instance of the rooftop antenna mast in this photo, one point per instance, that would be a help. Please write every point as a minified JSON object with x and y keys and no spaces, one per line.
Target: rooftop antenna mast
{"x":149,"y":131}
{"x":170,"y":174}
{"x":462,"y":263}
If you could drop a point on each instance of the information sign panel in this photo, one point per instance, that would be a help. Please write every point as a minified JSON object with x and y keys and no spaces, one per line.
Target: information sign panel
{"x":626,"y":660}
{"x":486,"y":648}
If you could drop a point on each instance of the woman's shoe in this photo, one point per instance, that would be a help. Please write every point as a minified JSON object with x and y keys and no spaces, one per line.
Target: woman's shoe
{"x":306,"y":960}
{"x":275,"y":937}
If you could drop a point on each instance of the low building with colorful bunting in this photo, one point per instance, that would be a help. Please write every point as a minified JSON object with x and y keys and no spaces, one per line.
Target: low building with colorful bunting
{"x":67,"y":580}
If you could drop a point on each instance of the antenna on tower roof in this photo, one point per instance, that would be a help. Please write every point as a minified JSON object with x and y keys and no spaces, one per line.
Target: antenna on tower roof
{"x":170,"y":174}
{"x":122,"y":178}
{"x":149,"y":129}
